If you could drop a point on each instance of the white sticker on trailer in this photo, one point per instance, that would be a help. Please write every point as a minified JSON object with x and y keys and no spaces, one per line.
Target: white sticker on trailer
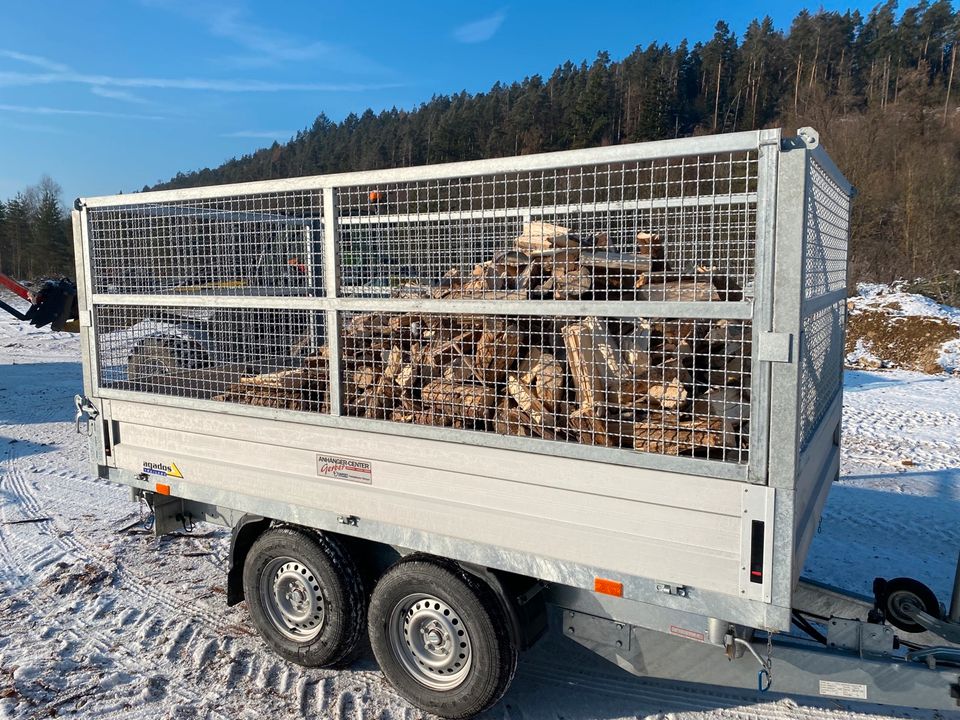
{"x":342,"y":468}
{"x":853,"y":691}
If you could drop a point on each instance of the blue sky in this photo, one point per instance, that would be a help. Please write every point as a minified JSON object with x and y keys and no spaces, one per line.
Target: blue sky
{"x":108,"y":96}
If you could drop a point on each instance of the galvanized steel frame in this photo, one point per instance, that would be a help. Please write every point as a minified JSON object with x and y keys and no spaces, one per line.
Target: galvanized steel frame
{"x":657,"y":150}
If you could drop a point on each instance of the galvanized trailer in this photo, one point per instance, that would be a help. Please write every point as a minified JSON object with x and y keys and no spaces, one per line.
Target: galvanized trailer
{"x":221,"y":331}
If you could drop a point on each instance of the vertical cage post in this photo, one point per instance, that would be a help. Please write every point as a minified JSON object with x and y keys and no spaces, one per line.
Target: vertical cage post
{"x":787,"y":306}
{"x":767,"y":166}
{"x":331,"y":265}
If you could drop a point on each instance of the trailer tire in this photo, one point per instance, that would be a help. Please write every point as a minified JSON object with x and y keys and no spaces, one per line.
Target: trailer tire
{"x":899,"y":594}
{"x":305,"y":597}
{"x":441,"y":637}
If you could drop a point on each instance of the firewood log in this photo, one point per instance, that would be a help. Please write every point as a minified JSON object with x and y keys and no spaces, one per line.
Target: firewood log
{"x":561,"y":259}
{"x":668,"y":434}
{"x":544,"y":236}
{"x":467,"y":401}
{"x":543,"y":373}
{"x":497,"y":351}
{"x":595,"y":363}
{"x":650,"y":244}
{"x":568,"y":285}
{"x":683,"y":290}
{"x":510,"y":420}
{"x":590,"y":429}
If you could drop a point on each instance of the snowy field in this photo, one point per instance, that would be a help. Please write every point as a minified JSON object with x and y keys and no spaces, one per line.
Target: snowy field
{"x":101,"y":622}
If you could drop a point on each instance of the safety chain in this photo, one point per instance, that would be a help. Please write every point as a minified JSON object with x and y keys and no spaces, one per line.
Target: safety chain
{"x":765,"y":676}
{"x":147,"y":521}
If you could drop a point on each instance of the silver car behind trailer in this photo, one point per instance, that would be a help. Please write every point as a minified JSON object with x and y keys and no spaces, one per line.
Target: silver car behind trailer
{"x":452,"y":541}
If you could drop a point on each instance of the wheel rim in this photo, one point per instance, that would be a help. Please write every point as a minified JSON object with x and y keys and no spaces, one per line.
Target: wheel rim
{"x":900,"y":602}
{"x":291,"y":596}
{"x":430,"y":640}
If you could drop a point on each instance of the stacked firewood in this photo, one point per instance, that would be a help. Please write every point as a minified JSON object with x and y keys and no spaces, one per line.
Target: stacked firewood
{"x":306,"y":388}
{"x":663,"y":386}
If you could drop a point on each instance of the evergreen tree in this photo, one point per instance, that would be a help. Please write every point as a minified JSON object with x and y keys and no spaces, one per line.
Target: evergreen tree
{"x":52,"y":250}
{"x":16,"y":232}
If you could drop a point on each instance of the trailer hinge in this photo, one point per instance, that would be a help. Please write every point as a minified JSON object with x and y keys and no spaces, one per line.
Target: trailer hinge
{"x":669,"y":589}
{"x":775,"y":347}
{"x":352,"y":520}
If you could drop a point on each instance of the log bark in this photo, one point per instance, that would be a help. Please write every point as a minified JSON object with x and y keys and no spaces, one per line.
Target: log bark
{"x":682,"y":291}
{"x":498,"y":350}
{"x":667,"y":434}
{"x":568,"y":285}
{"x":465,"y":401}
{"x":590,"y":428}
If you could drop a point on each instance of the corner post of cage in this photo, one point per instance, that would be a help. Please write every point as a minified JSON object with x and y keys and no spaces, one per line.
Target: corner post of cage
{"x":767,"y":163}
{"x":83,"y":254}
{"x":790,"y":236}
{"x":331,"y":282}
{"x":784,"y":436}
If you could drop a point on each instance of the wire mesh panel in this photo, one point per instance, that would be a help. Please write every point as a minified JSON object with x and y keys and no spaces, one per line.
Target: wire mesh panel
{"x":676,"y":230}
{"x":678,"y":387}
{"x":821,"y":365}
{"x":636,"y":231}
{"x":262,"y":244}
{"x":824,"y":271}
{"x":828,"y":228}
{"x":266,"y":357}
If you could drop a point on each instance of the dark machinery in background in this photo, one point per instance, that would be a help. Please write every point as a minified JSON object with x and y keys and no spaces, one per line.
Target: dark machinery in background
{"x":53,"y":304}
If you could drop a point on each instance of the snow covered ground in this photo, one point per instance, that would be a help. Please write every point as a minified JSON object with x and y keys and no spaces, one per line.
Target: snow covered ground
{"x":98,"y":621}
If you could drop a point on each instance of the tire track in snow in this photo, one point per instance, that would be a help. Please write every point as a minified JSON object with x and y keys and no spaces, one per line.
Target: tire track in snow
{"x":140,"y":584}
{"x":99,"y":619}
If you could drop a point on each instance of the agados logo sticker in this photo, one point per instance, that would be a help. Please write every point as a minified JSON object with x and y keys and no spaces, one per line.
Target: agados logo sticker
{"x":162,"y":470}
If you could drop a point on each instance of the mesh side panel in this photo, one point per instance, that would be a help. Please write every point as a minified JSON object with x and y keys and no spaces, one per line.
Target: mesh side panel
{"x":262,"y":244}
{"x":275,"y":358}
{"x":668,"y":386}
{"x":821,"y":366}
{"x":828,"y":220}
{"x":636,"y":226}
{"x":678,"y":387}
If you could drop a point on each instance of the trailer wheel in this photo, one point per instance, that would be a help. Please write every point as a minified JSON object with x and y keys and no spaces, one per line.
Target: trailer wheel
{"x":305,"y":597}
{"x":902,"y":594}
{"x":441,"y":637}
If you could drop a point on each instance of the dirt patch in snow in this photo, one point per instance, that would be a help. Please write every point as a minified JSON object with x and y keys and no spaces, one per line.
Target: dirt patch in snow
{"x":890,"y":328}
{"x":875,"y":338}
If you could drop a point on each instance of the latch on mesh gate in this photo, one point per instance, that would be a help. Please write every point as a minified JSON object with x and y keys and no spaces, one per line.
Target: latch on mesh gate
{"x":775,"y":347}
{"x":85,"y":408}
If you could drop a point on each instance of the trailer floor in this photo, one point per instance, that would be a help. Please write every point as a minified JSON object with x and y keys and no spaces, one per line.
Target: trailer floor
{"x":97,"y":621}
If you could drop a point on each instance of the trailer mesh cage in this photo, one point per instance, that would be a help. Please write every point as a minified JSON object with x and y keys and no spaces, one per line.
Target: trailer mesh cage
{"x":824,"y":275}
{"x":600,"y":299}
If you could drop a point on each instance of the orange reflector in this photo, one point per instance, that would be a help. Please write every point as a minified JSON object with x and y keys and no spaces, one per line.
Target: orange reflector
{"x":163,"y":489}
{"x":608,"y":587}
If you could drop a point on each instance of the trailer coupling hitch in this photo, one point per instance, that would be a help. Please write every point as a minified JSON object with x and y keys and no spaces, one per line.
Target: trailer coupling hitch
{"x":85,"y":409}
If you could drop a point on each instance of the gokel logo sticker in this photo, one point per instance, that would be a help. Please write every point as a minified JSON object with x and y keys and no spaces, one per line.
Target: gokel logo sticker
{"x":162,"y":470}
{"x":343,"y":468}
